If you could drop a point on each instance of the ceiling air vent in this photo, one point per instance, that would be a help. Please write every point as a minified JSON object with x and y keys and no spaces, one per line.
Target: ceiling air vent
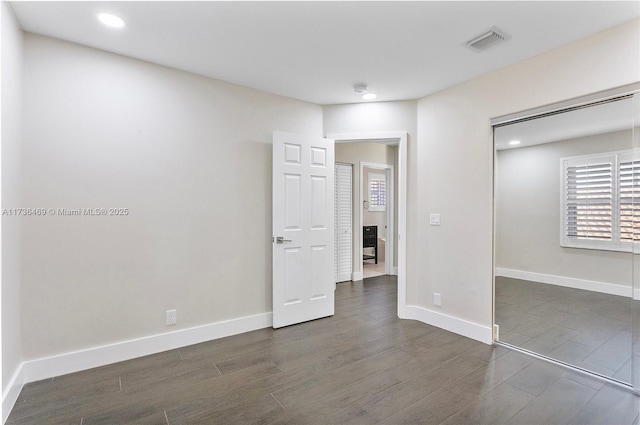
{"x":487,"y":39}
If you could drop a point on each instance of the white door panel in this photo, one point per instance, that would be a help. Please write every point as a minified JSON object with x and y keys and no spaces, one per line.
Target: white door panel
{"x":343,"y":222}
{"x":303,"y":217}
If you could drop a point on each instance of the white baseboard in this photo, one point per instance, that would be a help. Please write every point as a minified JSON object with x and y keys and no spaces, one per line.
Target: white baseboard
{"x":450,"y":323}
{"x":360,"y":275}
{"x":570,"y":282}
{"x":12,"y":392}
{"x":345,"y":277}
{"x":35,"y":370}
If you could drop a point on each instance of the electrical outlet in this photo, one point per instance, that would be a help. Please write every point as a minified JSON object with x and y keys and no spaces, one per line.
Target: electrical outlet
{"x":434,"y":219}
{"x":172,"y":317}
{"x":437,"y":299}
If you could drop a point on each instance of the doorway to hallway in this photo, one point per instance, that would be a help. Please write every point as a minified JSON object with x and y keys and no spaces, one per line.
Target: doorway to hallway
{"x":395,"y":244}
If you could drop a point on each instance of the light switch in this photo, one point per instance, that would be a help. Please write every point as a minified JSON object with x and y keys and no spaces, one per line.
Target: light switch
{"x":434,"y":219}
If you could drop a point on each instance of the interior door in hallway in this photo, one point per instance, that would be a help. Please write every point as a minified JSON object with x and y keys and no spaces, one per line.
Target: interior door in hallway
{"x":303,"y":228}
{"x":343,"y":222}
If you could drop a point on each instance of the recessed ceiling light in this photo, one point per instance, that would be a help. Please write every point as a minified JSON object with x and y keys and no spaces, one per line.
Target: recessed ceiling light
{"x":514,"y":142}
{"x":111,"y":20}
{"x":369,"y":96}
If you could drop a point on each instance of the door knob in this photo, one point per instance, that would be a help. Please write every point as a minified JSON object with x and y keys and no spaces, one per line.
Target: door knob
{"x":281,"y":239}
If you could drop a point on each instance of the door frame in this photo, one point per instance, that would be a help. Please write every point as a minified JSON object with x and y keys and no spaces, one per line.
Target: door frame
{"x":389,"y":243}
{"x":394,"y":138}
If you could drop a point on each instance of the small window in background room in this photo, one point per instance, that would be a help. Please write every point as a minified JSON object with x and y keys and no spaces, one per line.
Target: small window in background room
{"x":377,"y":192}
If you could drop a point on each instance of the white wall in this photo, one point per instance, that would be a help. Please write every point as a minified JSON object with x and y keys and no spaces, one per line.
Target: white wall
{"x":354,"y":153}
{"x":12,"y":51}
{"x":381,"y":117}
{"x":528,"y":185}
{"x":190,"y":158}
{"x":455,"y":162}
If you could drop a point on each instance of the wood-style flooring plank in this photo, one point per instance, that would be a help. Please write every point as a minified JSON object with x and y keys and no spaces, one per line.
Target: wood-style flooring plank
{"x":362,"y":366}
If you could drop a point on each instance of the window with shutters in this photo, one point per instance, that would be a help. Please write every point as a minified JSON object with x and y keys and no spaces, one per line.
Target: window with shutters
{"x":629,"y":195}
{"x":600,"y":201}
{"x":377,"y":192}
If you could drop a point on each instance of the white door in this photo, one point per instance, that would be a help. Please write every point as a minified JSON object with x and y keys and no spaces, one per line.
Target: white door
{"x":303,"y":235}
{"x":343,"y":222}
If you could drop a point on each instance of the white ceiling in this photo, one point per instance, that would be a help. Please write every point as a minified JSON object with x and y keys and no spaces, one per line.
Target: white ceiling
{"x":317,"y":51}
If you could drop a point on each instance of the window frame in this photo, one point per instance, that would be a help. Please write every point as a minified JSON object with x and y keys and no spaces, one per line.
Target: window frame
{"x":380,"y":206}
{"x":615,"y":243}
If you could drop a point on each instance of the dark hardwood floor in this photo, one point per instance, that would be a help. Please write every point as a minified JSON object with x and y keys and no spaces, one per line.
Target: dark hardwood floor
{"x":361,"y":366}
{"x":587,"y":329}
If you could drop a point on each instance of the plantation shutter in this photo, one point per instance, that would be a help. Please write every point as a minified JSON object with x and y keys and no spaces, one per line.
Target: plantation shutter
{"x":629,"y":194}
{"x":377,"y":192}
{"x":589,"y":189}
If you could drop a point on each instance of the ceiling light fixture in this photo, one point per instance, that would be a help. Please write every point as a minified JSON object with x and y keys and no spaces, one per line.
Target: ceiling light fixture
{"x":364,"y":91}
{"x":360,"y":88}
{"x":111,"y":20}
{"x":514,"y":142}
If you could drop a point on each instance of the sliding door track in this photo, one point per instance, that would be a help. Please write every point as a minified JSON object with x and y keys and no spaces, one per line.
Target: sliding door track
{"x":606,"y":379}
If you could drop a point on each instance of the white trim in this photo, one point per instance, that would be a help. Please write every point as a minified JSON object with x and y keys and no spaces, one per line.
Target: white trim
{"x":569,"y":282}
{"x":35,"y":370}
{"x":400,"y":138}
{"x":402,"y":225}
{"x":356,"y":276}
{"x":567,"y":104}
{"x":450,"y":323}
{"x":11,"y":393}
{"x":386,"y":137}
{"x":394,"y":271}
